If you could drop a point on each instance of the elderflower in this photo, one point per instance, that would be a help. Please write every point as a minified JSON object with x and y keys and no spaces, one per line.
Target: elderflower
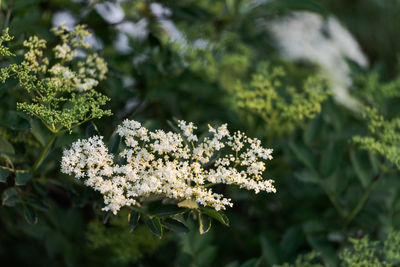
{"x":62,"y":86}
{"x":172,"y":165}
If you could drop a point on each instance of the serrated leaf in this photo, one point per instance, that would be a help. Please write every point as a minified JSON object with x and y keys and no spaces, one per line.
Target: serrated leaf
{"x":155,"y":226}
{"x":21,"y":178}
{"x":3,"y":175}
{"x":133,"y":219}
{"x":218,"y":215}
{"x":204,"y":223}
{"x":30,"y":215}
{"x":10,"y":197}
{"x":176,"y":226}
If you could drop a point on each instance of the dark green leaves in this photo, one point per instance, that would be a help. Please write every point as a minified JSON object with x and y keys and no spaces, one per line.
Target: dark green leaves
{"x":218,"y":215}
{"x":106,"y":217}
{"x":204,"y":223}
{"x":175,"y":226}
{"x":6,"y":148}
{"x":30,"y":215}
{"x":133,"y":219}
{"x":3,"y":175}
{"x":304,"y":154}
{"x":161,"y":210}
{"x":330,"y":160}
{"x":155,"y":226}
{"x":22,"y":177}
{"x":10,"y":197}
{"x":40,"y":132}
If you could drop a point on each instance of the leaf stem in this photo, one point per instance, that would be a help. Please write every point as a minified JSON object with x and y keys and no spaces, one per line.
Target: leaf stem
{"x":44,"y":152}
{"x":360,"y":204}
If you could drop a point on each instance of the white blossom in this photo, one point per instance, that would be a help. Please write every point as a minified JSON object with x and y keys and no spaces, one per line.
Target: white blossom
{"x":324,"y":41}
{"x":171,"y":165}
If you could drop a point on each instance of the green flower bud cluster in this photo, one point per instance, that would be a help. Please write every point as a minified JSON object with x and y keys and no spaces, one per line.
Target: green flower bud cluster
{"x":62,"y":93}
{"x":385,"y":137}
{"x":362,"y":252}
{"x":365,"y":252}
{"x":282,"y":108}
{"x":5,"y":51}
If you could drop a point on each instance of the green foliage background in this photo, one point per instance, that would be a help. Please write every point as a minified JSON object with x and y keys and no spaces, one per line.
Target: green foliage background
{"x":336,"y":171}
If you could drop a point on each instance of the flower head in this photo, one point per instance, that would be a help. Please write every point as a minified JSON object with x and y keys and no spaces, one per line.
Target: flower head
{"x":172,"y":165}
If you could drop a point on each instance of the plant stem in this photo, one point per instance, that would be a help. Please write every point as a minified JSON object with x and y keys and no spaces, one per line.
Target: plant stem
{"x":8,"y":15}
{"x":334,"y":202}
{"x":44,"y":152}
{"x":360,"y":204}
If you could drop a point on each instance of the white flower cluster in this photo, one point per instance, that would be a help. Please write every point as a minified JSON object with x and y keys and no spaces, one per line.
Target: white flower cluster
{"x":170,"y":165}
{"x":308,"y":36}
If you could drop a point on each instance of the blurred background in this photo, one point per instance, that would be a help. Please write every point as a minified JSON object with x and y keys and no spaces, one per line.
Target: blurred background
{"x":184,"y":60}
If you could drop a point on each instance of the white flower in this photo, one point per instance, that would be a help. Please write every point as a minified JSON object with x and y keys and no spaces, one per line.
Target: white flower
{"x":324,"y":41}
{"x":162,"y":163}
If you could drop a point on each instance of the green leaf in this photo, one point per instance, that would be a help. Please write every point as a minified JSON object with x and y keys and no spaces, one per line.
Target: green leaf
{"x":25,"y":4}
{"x":30,"y":215}
{"x":36,"y":203}
{"x":204,"y":223}
{"x":304,"y":154}
{"x":176,"y":226}
{"x":330,"y":159}
{"x":218,"y":215}
{"x":292,"y":239}
{"x":165,"y":210}
{"x":250,"y":263}
{"x":312,"y":227}
{"x":298,"y":5}
{"x":321,"y":245}
{"x":10,"y":197}
{"x":313,"y":129}
{"x":16,"y":120}
{"x":188,"y":203}
{"x":6,"y":147}
{"x":3,"y":175}
{"x":308,"y":176}
{"x":21,"y":178}
{"x":106,"y":217}
{"x":155,"y":226}
{"x":133,"y":219}
{"x":270,"y":251}
{"x":362,"y":175}
{"x":39,"y":131}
